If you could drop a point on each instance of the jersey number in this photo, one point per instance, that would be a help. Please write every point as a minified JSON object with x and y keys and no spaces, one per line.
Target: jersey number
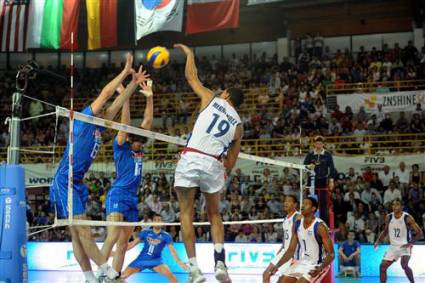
{"x":137,"y":168}
{"x":150,"y":250}
{"x":222,"y":127}
{"x":305,"y":246}
{"x":96,"y":148}
{"x":396,"y":232}
{"x":286,"y":235}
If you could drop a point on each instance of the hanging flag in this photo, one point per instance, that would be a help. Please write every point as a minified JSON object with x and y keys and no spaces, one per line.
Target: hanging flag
{"x":209,"y":15}
{"x":13,"y":25}
{"x":102,"y":23}
{"x":158,"y":15}
{"x":51,"y":23}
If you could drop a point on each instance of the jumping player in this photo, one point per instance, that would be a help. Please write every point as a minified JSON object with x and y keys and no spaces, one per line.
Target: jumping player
{"x":217,"y":131}
{"x":122,"y":199}
{"x":398,"y":226}
{"x":154,"y":241}
{"x":313,"y":235}
{"x":87,"y":141}
{"x":290,"y":207}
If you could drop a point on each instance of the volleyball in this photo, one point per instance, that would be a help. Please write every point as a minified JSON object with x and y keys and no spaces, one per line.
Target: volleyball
{"x":158,"y":57}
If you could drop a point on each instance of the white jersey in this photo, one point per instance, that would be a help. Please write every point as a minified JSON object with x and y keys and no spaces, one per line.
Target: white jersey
{"x":311,"y":248}
{"x":287,"y":229}
{"x":214,"y":128}
{"x":398,"y":230}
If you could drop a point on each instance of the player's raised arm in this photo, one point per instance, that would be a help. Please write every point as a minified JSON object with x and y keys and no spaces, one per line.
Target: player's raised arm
{"x":137,"y":78}
{"x":112,"y":86}
{"x":235,"y":148}
{"x":288,"y":253}
{"x":146,"y":89}
{"x":383,"y":233}
{"x":416,"y":231}
{"x":125,"y":119}
{"x":323,"y":233}
{"x":191,"y":73}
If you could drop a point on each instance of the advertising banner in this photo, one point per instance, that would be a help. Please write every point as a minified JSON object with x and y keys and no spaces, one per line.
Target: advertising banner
{"x":240,"y":258}
{"x":391,"y":101}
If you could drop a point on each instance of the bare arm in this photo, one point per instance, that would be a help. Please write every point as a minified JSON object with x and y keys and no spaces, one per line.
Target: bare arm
{"x":383,"y":233}
{"x":289,"y":253}
{"x":176,"y":257}
{"x":416,"y":230}
{"x":191,"y":73}
{"x":341,"y":253}
{"x":125,"y":119}
{"x":113,"y":85}
{"x":146,"y":89}
{"x":235,"y":148}
{"x":137,"y":78}
{"x":323,"y":233}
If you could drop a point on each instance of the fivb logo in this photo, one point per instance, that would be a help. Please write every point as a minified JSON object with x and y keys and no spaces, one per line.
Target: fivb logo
{"x":252,"y":255}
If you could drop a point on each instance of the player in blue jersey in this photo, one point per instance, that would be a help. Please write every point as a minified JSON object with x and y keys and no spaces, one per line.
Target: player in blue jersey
{"x":122,"y":199}
{"x":87,"y":141}
{"x":154,"y":241}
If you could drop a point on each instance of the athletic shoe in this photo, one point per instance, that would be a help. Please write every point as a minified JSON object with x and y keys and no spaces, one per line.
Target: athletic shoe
{"x":195,"y":276}
{"x":221,"y":273}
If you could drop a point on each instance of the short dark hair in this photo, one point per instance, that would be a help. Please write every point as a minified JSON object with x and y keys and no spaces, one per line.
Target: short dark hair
{"x":313,"y":202}
{"x":236,"y":96}
{"x":397,"y":200}
{"x":294,"y":198}
{"x":137,"y":138}
{"x":156,"y":215}
{"x":352,"y":231}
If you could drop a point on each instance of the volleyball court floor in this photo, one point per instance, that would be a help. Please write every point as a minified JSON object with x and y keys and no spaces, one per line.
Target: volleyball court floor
{"x":76,"y":277}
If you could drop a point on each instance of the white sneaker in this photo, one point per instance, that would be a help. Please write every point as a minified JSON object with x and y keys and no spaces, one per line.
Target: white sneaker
{"x":221,"y":273}
{"x":195,"y":276}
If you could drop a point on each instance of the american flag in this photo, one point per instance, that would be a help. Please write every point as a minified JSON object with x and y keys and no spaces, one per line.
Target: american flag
{"x":13,"y":25}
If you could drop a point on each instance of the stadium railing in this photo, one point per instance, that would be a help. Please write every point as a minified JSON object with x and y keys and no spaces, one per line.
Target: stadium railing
{"x":389,"y":86}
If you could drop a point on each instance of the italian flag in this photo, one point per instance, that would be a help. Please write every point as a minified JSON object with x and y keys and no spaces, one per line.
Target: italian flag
{"x":51,"y":23}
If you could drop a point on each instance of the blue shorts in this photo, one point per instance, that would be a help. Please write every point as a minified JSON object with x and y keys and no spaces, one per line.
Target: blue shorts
{"x":145,"y":264}
{"x":59,"y":196}
{"x":124,"y":202}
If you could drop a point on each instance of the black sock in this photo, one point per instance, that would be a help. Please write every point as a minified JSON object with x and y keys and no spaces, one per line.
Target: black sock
{"x":220,"y":256}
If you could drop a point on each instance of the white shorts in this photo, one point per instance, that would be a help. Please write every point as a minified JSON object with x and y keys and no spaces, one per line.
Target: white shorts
{"x":300,"y":269}
{"x":395,"y":252}
{"x":197,"y":170}
{"x":282,"y":270}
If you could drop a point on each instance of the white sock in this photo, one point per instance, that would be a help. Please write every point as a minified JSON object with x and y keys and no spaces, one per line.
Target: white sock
{"x":218,"y":248}
{"x":89,"y":275}
{"x":104,"y":266}
{"x":112,"y":273}
{"x":193,"y":262}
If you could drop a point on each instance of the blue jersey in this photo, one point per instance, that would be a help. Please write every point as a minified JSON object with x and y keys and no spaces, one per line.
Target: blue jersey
{"x":350,"y":249}
{"x":153,"y":244}
{"x":128,"y":166}
{"x":87,"y":140}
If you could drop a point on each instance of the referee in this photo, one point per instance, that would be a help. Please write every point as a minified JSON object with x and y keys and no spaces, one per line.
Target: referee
{"x":323,"y":164}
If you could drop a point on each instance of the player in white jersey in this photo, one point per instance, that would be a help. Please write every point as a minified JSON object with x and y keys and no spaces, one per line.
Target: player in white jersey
{"x":213,"y":146}
{"x":290,"y":207}
{"x":399,"y":226}
{"x":313,"y":236}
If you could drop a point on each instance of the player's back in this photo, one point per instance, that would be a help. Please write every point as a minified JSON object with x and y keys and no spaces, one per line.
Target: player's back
{"x":128,"y":166}
{"x":288,"y":223}
{"x":87,"y":140}
{"x":214,"y":128}
{"x":398,"y":230}
{"x":153,"y":243}
{"x":310,"y":244}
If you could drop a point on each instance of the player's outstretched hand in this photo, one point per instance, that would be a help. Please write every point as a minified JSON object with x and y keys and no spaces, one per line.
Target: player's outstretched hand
{"x":146,"y":88}
{"x":186,"y":49}
{"x":128,"y":68}
{"x":315,"y":271}
{"x":140,"y":76}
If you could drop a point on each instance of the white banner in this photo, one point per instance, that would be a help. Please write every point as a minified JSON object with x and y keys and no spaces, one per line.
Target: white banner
{"x":41,"y":174}
{"x":153,"y":16}
{"x":391,"y":101}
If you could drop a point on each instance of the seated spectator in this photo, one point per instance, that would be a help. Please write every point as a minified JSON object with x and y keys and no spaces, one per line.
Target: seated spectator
{"x":349,"y":255}
{"x":241,"y":238}
{"x":167,"y":214}
{"x":385,"y":176}
{"x":391,"y":194}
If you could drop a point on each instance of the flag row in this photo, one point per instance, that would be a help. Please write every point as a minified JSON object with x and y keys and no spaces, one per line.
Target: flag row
{"x":49,"y":23}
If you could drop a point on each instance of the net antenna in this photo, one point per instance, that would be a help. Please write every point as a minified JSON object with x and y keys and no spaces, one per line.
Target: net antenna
{"x":71,"y":135}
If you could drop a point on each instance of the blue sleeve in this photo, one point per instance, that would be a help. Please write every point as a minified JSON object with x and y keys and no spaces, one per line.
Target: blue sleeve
{"x":357,"y":244}
{"x":307,"y":159}
{"x":142,"y":235}
{"x":168,"y":239}
{"x":80,"y":127}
